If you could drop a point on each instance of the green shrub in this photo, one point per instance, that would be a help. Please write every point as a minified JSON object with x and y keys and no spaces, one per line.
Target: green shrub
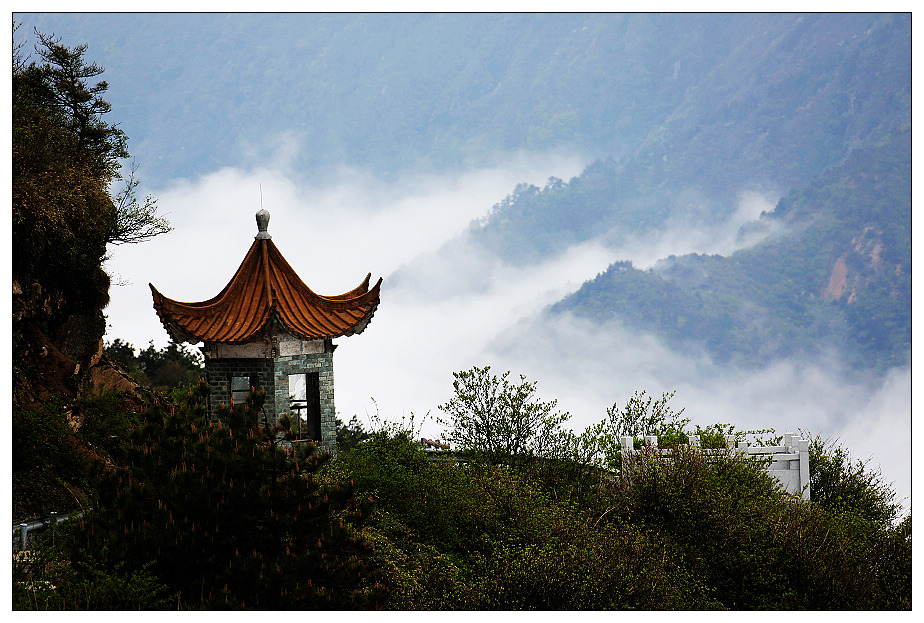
{"x":592,"y":568}
{"x":45,"y":579}
{"x":720,"y":512}
{"x":418,"y":576}
{"x":757,"y":548}
{"x":49,"y":469}
{"x":862,"y":507}
{"x":107,"y":422}
{"x":845,"y":486}
{"x":435,"y":499}
{"x":498,"y":420}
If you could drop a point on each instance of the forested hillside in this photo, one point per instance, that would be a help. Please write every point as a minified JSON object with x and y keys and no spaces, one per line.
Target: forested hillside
{"x":66,"y":163}
{"x":834,"y":274}
{"x":680,"y":114}
{"x":528,"y":516}
{"x":780,"y":103}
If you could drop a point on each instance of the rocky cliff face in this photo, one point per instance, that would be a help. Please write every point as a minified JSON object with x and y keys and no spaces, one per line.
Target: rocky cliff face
{"x":58,"y":347}
{"x":59,"y":368}
{"x":861,"y":264}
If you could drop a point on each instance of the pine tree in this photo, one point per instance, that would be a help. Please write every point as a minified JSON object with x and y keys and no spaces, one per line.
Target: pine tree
{"x":65,"y":157}
{"x":230,"y":517}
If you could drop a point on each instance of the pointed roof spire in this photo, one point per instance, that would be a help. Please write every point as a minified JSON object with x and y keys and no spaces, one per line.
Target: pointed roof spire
{"x":263,"y":218}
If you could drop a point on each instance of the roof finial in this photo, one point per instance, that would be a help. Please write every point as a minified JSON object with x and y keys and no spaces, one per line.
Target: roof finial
{"x":262,"y":224}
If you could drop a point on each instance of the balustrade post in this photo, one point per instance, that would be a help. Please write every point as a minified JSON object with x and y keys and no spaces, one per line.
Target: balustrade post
{"x":628,"y":444}
{"x":805,"y":479}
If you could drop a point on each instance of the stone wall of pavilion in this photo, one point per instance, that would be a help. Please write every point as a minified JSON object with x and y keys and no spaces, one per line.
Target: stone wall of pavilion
{"x":271,"y":373}
{"x":220,"y":370}
{"x":323,"y":364}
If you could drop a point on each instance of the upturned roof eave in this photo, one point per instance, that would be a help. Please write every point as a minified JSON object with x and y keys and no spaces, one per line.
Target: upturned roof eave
{"x":262,"y":279}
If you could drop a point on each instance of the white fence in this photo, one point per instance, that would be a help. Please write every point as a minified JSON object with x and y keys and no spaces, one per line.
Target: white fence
{"x":788,"y":463}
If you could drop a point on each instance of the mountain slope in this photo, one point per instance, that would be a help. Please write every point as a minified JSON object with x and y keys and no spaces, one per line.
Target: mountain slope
{"x":782,"y":105}
{"x":685,"y":112}
{"x":836,"y":275}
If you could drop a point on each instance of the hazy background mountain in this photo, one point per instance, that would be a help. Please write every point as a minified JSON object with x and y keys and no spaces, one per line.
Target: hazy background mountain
{"x":729,"y":99}
{"x":717,"y":204}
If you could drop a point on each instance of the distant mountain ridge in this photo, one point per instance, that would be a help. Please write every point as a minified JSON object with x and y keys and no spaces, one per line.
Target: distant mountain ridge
{"x":772,"y":125}
{"x":719,"y":95}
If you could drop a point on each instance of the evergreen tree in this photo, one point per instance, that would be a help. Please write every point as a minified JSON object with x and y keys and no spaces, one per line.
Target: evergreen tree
{"x":230,"y":514}
{"x":173,"y":366}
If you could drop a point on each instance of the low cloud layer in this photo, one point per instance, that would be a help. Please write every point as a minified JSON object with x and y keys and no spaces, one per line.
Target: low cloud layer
{"x":332,"y":234}
{"x":452,"y":305}
{"x":589,"y":367}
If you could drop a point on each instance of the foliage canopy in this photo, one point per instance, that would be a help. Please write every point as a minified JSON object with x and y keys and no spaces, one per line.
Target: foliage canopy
{"x":65,"y":157}
{"x":228,"y":514}
{"x":499,"y":418}
{"x":173,"y":366}
{"x":681,"y":533}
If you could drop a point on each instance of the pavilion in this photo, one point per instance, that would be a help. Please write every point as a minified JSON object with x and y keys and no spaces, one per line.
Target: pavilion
{"x":267,"y":329}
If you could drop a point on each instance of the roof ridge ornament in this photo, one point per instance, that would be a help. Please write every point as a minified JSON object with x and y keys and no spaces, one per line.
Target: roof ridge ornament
{"x":263,"y":218}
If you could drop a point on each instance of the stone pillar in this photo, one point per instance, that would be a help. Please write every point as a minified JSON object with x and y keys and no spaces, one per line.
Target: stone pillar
{"x":804,"y":474}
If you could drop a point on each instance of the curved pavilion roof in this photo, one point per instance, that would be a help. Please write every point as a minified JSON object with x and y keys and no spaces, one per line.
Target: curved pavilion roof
{"x":265,"y":288}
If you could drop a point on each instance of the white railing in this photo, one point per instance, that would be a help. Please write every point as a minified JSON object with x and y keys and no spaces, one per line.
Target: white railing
{"x":21,"y":537}
{"x":788,"y":463}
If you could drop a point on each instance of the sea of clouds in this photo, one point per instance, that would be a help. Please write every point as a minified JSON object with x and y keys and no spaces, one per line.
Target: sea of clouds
{"x":447,"y":304}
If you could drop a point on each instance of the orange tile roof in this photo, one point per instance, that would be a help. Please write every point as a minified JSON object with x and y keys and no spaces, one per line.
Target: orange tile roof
{"x":266,"y":288}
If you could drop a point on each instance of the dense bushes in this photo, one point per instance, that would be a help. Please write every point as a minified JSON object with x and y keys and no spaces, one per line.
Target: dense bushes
{"x":438,"y":500}
{"x":678,"y":533}
{"x":48,"y":465}
{"x":44,"y":579}
{"x":495,"y":538}
{"x":865,"y":507}
{"x":196,"y":515}
{"x":503,"y":539}
{"x":733,"y":527}
{"x":52,"y":455}
{"x":173,"y":366}
{"x":604,"y":567}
